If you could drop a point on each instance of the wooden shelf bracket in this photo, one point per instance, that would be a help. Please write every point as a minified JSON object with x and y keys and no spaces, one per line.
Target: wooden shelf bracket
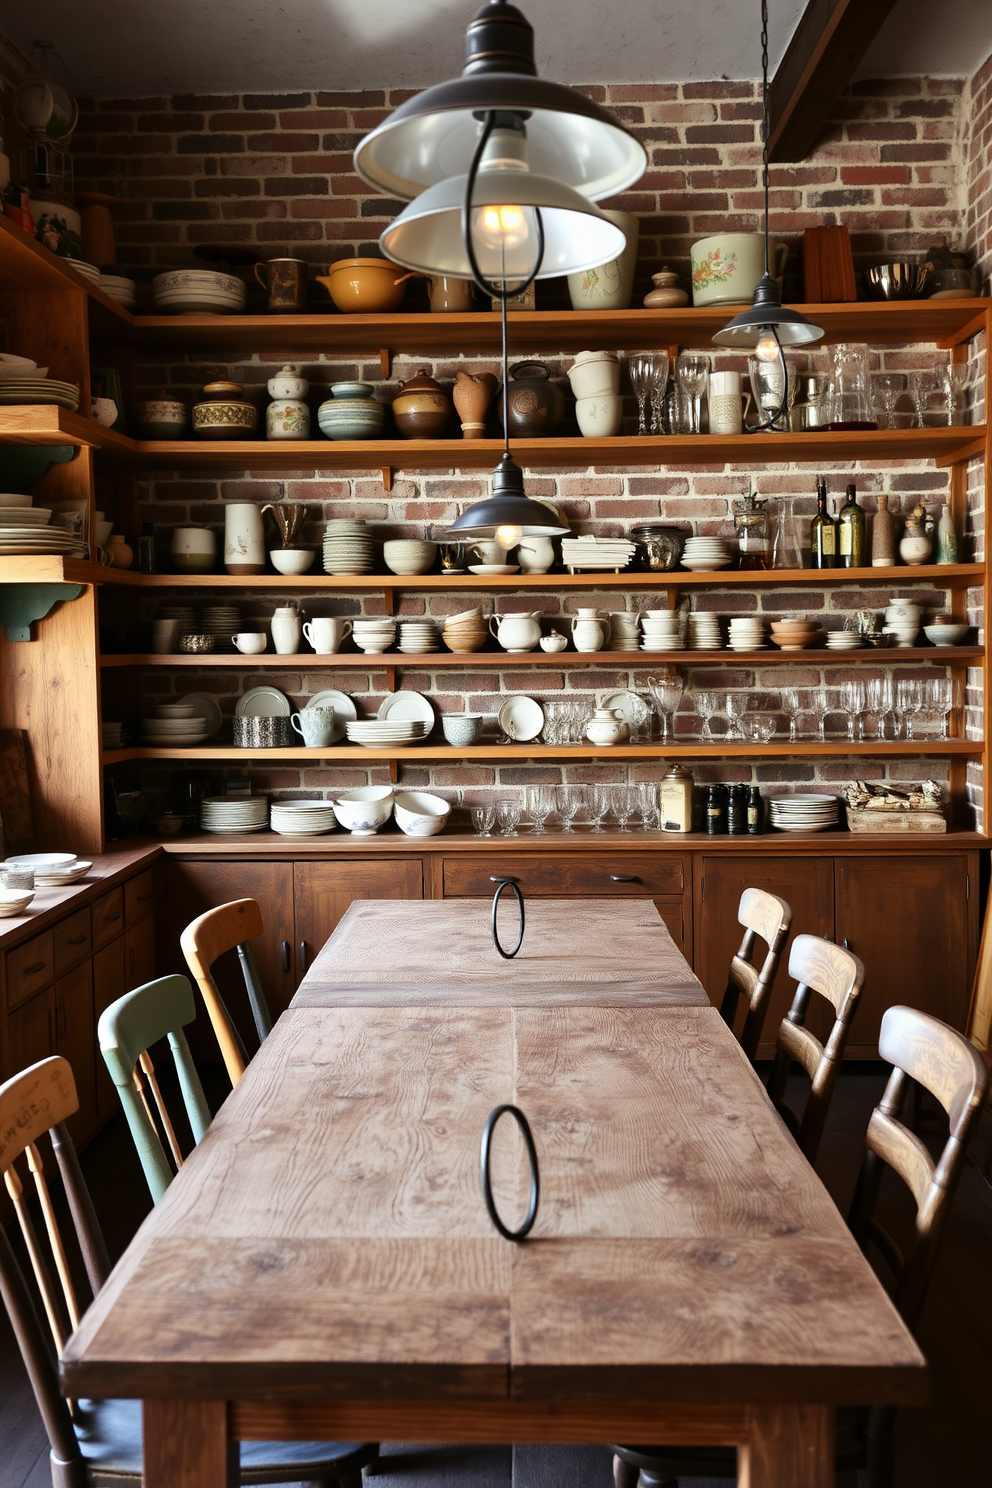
{"x":22,"y":604}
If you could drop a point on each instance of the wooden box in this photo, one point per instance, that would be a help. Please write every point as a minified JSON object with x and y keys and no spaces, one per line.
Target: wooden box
{"x":896,"y":821}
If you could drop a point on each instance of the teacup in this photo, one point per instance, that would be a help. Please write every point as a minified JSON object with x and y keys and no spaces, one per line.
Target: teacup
{"x":326,"y":632}
{"x":251,"y":642}
{"x":461,"y":729}
{"x":314,"y":725}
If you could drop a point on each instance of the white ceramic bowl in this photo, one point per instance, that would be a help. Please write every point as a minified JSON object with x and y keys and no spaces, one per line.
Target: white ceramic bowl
{"x":365,"y":810}
{"x":420,"y":814}
{"x":172,"y":710}
{"x":103,"y":531}
{"x":14,"y":902}
{"x":945,"y":635}
{"x":13,"y":499}
{"x":594,"y":379}
{"x":600,"y":417}
{"x":40,"y":861}
{"x":11,"y":364}
{"x":291,"y":560}
{"x":193,"y":290}
{"x":409,"y":556}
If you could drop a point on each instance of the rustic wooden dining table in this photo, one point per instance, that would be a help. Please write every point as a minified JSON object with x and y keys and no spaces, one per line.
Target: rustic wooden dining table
{"x":324,"y":1265}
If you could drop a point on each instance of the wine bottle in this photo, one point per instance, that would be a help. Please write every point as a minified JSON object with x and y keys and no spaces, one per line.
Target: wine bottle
{"x":851,"y":532}
{"x":822,"y":532}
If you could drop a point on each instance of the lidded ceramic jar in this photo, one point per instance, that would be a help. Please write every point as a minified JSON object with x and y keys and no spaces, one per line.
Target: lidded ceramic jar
{"x":351,"y":412}
{"x":287,"y":383}
{"x":606,"y":726}
{"x":536,"y":404}
{"x":667,"y":294}
{"x":162,"y":417}
{"x":422,"y":409}
{"x":225,"y":413}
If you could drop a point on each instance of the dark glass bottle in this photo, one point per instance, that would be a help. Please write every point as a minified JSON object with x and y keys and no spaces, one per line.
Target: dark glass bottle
{"x":755,"y":813}
{"x":737,"y":797}
{"x":822,"y":532}
{"x":716,"y":811}
{"x":851,"y":533}
{"x":146,"y":549}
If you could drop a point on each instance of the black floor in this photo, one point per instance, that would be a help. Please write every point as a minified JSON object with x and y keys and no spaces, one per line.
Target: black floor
{"x":946,"y":1443}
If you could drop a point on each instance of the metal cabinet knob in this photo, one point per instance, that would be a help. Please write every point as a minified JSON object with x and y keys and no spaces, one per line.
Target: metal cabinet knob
{"x":285,"y":955}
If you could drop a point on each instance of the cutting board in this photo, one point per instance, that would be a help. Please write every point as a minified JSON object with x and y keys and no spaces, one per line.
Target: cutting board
{"x":16,"y":824}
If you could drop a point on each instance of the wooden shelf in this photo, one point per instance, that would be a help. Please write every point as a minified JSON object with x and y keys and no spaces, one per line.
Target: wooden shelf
{"x":602,"y":660}
{"x":46,"y":423}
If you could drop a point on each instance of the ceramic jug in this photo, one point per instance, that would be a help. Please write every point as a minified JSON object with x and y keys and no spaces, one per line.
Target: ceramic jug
{"x":589,"y":631}
{"x":516,"y":633}
{"x":244,"y":538}
{"x":606,"y":726}
{"x":474,"y":391}
{"x":286,"y":630}
{"x":535,"y":554}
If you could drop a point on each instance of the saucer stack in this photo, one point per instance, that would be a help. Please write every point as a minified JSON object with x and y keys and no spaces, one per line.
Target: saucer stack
{"x":796,"y":634}
{"x":374,"y":634}
{"x":844,"y":640}
{"x":56,"y":875}
{"x":379,"y":733}
{"x":466,"y":631}
{"x":701,"y":554}
{"x":704,"y":632}
{"x":232,"y":815}
{"x":223,"y":623}
{"x":173,"y":733}
{"x":804,"y":813}
{"x":662,"y":632}
{"x":417,"y":636}
{"x":349,"y":548}
{"x":747,"y":634}
{"x":302,"y":818}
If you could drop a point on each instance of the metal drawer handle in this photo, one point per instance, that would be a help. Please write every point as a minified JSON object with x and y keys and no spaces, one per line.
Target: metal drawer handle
{"x":143,"y":898}
{"x":513,"y":886}
{"x":535,"y":1176}
{"x":624,"y":878}
{"x":79,"y":940}
{"x":303,"y":955}
{"x":38,"y":966}
{"x":110,"y":918}
{"x":285,"y":955}
{"x":501,"y":878}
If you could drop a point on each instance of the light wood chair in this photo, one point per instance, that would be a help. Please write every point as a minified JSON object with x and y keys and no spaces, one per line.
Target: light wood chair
{"x":768,"y":918}
{"x":837,"y":975}
{"x":126,"y":1031}
{"x":97,"y":1444}
{"x":228,"y":927}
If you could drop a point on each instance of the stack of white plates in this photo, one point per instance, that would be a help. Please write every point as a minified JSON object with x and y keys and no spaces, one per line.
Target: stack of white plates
{"x":704,"y":632}
{"x":803,"y":813}
{"x":119,"y":288}
{"x":375,"y":734}
{"x":844,"y":640}
{"x":85,"y":270}
{"x":374,"y":635}
{"x":198,"y":292}
{"x":172,"y":733}
{"x":700,"y":554}
{"x":22,"y":537}
{"x":302,"y":818}
{"x":349,"y":548}
{"x":24,"y":516}
{"x":113,"y":735}
{"x":596,"y":552}
{"x":56,"y":875}
{"x":747,"y":634}
{"x":39,"y":390}
{"x":233,"y":815}
{"x":662,"y":632}
{"x":183,"y":613}
{"x":418,"y":635}
{"x":223,"y":622}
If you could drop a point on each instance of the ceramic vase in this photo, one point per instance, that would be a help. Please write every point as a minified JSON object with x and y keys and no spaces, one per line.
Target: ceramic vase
{"x":244,"y":538}
{"x":351,"y":412}
{"x":588,"y":631}
{"x":947,"y":537}
{"x":121,"y":554}
{"x":287,"y":418}
{"x":474,"y":391}
{"x":535,"y":554}
{"x":883,"y":538}
{"x":422,"y":409}
{"x":610,"y":286}
{"x":667,"y":294}
{"x":286,"y":630}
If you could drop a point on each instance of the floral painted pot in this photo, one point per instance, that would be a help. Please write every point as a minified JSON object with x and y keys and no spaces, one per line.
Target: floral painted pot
{"x":727,"y":266}
{"x":162,"y":418}
{"x":611,"y":285}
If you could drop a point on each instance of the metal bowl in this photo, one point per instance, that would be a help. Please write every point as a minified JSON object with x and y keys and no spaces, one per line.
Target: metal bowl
{"x":897,"y":281}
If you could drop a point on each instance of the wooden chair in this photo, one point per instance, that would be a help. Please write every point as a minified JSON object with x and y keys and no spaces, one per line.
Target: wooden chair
{"x":764,"y":917}
{"x":837,"y":975}
{"x":97,"y":1444}
{"x":127,"y":1030}
{"x":924,"y":1051}
{"x":228,"y":927}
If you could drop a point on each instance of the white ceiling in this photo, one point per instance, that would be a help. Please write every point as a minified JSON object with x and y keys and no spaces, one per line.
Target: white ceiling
{"x":141,"y":48}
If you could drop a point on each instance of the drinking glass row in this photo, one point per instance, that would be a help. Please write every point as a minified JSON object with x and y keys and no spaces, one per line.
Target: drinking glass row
{"x":568,"y":807}
{"x":876,"y":708}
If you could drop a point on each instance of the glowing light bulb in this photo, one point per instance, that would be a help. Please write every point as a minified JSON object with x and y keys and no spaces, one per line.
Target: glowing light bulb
{"x":503,"y":227}
{"x":767,"y":349}
{"x":508,"y":535}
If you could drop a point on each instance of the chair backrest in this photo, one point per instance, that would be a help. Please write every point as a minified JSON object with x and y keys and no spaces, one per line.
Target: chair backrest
{"x":40,"y":1100}
{"x":768,"y":918}
{"x":228,"y":927}
{"x":127,"y":1030}
{"x":837,"y":975}
{"x":921,"y":1049}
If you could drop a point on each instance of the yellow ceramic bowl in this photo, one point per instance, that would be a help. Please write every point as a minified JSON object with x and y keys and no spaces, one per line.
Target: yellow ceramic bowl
{"x":365,"y":286}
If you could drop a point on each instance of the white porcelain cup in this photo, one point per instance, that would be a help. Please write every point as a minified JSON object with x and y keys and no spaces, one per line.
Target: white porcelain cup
{"x":251,"y":642}
{"x":595,"y":379}
{"x":726,"y":404}
{"x":165,"y":636}
{"x":315,"y":726}
{"x":326,"y":633}
{"x":600,"y":417}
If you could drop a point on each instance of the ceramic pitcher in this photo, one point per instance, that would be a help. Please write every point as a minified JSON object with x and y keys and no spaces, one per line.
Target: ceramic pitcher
{"x":244,"y":538}
{"x":516,"y":633}
{"x":286,"y":630}
{"x":589,"y":631}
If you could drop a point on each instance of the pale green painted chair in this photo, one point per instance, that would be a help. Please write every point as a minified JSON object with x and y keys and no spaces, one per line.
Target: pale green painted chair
{"x":127,"y":1030}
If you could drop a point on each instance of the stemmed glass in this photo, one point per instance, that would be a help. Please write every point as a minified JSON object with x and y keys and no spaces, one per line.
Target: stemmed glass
{"x":737,"y":705}
{"x":692,"y":371}
{"x":599,"y":806}
{"x":484,"y":819}
{"x":852,"y":701}
{"x":648,"y":805}
{"x":641,"y":370}
{"x":953,"y":381}
{"x":941,"y":695}
{"x":666,"y":694}
{"x":624,"y":805}
{"x":508,"y":815}
{"x":921,"y":385}
{"x":659,"y":386}
{"x":707,"y":705}
{"x":881,"y":705}
{"x":539,"y":802}
{"x":909,"y":702}
{"x":820,"y":703}
{"x":566,"y":806}
{"x":886,"y":387}
{"x":792,"y":704}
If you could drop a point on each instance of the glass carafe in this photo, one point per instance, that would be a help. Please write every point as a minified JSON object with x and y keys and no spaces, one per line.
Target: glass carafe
{"x":753,"y":525}
{"x":849,"y":403}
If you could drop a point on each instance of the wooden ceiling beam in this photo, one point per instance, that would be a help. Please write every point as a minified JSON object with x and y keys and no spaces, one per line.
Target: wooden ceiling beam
{"x":830,"y":40}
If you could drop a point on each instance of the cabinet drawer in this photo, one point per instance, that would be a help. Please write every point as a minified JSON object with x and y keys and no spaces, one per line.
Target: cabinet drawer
{"x":29,"y":968}
{"x":139,"y":898}
{"x":108,"y":918}
{"x":73,"y":941}
{"x":603,"y":874}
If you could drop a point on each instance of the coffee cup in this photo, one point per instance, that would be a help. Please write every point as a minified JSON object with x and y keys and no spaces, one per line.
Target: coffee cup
{"x":315,"y":726}
{"x":251,"y":642}
{"x":727,"y":405}
{"x":326,"y":633}
{"x":448,"y":295}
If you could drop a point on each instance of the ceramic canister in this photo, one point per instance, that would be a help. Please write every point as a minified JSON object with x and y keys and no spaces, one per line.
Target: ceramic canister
{"x":287,"y":418}
{"x":726,"y":267}
{"x":285,"y":279}
{"x":244,"y":538}
{"x":609,"y":286}
{"x":193,"y":549}
{"x":351,"y":412}
{"x":163,"y":417}
{"x":725,"y":403}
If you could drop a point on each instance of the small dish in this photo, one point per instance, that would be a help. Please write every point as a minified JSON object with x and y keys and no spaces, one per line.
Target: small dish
{"x":51,"y":861}
{"x":494,"y":568}
{"x":263,"y":702}
{"x":521,"y":718}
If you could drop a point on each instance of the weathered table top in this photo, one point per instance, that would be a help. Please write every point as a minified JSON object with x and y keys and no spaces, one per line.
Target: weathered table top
{"x":388,"y":952}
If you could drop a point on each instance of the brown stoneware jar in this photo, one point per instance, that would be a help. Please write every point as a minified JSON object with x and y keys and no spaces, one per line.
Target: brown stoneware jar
{"x":536,"y":404}
{"x":422,"y":409}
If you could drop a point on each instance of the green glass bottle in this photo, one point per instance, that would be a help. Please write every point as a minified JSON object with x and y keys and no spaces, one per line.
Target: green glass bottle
{"x":822,"y":532}
{"x":851,"y":533}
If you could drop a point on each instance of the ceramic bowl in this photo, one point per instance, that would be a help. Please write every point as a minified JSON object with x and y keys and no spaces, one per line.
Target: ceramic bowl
{"x":170,"y":824}
{"x":420,"y":814}
{"x":103,"y":531}
{"x":896,"y":281}
{"x":162,"y":418}
{"x":461,"y":729}
{"x":600,"y":417}
{"x":197,"y":644}
{"x":365,"y":810}
{"x":554,"y":643}
{"x":13,"y":499}
{"x":365,"y":286}
{"x":945,"y":635}
{"x":198,"y":291}
{"x":291,"y":560}
{"x":15,"y":901}
{"x":172,"y":710}
{"x":409,"y":556}
{"x":594,"y":375}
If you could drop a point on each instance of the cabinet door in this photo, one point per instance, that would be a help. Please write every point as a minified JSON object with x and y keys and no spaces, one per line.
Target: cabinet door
{"x":30,"y":1032}
{"x":75,"y":1040}
{"x":194,"y":887}
{"x":139,"y":954}
{"x":325,"y":890}
{"x":910,"y":921}
{"x":806,"y":884}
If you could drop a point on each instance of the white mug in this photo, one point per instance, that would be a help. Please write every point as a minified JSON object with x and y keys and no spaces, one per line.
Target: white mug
{"x":251,"y":642}
{"x":727,"y":404}
{"x":326,"y":633}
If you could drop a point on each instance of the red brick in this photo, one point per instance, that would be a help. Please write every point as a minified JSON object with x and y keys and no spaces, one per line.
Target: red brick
{"x":875,"y":175}
{"x":283,"y":141}
{"x":242,"y":121}
{"x":276,"y":100}
{"x":374,"y":98}
{"x":314,"y":118}
{"x":719,"y":134}
{"x":721,"y":88}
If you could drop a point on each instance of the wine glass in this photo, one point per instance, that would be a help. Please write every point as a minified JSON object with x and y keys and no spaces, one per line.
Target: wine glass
{"x":941,"y":692}
{"x":880,"y":704}
{"x":649,"y":805}
{"x":599,"y":805}
{"x":737,"y":705}
{"x":566,"y":806}
{"x":624,"y":802}
{"x":707,"y":705}
{"x":953,"y":381}
{"x":508,"y":815}
{"x":666,"y":694}
{"x":820,"y":703}
{"x":692,"y":371}
{"x":660,"y":372}
{"x":852,"y":701}
{"x":539,"y":802}
{"x":792,"y":705}
{"x":484,"y":819}
{"x":921,"y":385}
{"x":886,"y":387}
{"x":641,"y":370}
{"x":909,"y":702}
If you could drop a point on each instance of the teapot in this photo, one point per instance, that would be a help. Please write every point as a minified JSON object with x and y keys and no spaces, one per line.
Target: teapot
{"x":589,"y":630}
{"x":517,"y":633}
{"x":607,"y":726}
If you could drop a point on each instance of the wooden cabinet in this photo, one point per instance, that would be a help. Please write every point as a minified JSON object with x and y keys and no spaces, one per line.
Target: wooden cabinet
{"x":139,"y":954}
{"x":606,"y":874}
{"x":139,"y":897}
{"x":30,"y":1032}
{"x":73,"y":938}
{"x":325,"y":890}
{"x":29,"y":967}
{"x":109,"y":983}
{"x":108,"y":917}
{"x":75,"y":1040}
{"x":804,"y":883}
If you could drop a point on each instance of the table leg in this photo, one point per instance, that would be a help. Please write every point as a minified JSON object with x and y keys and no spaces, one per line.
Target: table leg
{"x":790,"y":1446}
{"x":186,"y":1445}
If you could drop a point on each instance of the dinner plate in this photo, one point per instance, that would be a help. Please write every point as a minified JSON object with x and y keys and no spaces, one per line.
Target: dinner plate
{"x":344,"y":710}
{"x":207,"y":708}
{"x":68,"y":876}
{"x":53,"y":861}
{"x":521,"y":718}
{"x":406,"y":705}
{"x":263,"y":702}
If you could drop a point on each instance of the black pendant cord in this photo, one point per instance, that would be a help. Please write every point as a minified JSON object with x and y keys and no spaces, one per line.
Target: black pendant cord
{"x":535,"y":1175}
{"x":481,"y":281}
{"x":765,"y":121}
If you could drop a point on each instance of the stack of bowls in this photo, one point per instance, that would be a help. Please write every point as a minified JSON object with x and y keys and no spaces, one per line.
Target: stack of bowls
{"x":796,"y":633}
{"x":466,"y":631}
{"x":662,"y":630}
{"x":173,"y":725}
{"x":351,"y":412}
{"x":232,"y":815}
{"x":418,"y":636}
{"x":302,"y":818}
{"x":595,"y":379}
{"x":704,"y":632}
{"x":121,"y":290}
{"x":14,"y":902}
{"x":409,"y":555}
{"x":844,"y":640}
{"x":349,"y":548}
{"x":223,"y":623}
{"x":701,"y":554}
{"x":747,"y":633}
{"x":374,"y":635}
{"x":365,"y":810}
{"x":902,"y":619}
{"x":420,"y":814}
{"x":379,"y":733}
{"x":198,"y":292}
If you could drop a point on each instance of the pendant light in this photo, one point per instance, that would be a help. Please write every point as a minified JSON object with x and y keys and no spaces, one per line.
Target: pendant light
{"x":768,"y":326}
